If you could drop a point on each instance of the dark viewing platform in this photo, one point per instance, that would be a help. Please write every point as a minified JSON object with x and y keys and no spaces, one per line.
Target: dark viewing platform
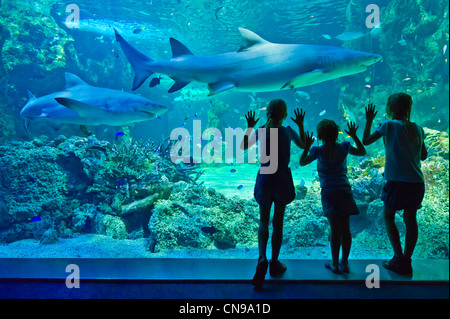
{"x":173,"y":278}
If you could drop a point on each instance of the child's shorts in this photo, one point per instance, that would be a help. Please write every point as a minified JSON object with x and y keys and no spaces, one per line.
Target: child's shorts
{"x":275,"y":188}
{"x":403,"y":195}
{"x":337,"y":201}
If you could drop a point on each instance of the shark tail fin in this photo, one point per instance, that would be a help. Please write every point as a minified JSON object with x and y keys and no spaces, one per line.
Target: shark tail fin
{"x":139,"y":61}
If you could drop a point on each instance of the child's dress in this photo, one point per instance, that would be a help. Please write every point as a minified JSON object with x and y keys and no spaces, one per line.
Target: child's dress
{"x":337,"y":195}
{"x":278,"y":187}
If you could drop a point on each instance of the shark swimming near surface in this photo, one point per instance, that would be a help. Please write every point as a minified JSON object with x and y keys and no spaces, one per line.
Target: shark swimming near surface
{"x":258,"y":66}
{"x":84,"y":104}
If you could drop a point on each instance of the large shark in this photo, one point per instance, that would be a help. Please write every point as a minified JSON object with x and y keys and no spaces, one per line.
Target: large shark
{"x":258,"y":66}
{"x":84,"y":104}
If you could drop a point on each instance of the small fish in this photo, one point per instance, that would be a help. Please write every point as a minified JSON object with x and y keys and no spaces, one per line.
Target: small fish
{"x":348,"y":36}
{"x":240,"y":186}
{"x":322,"y":113}
{"x":158,"y":117}
{"x":210,"y":230}
{"x":138,"y":30}
{"x":302,"y":182}
{"x":444,"y":49}
{"x":303,"y":95}
{"x":195,"y":114}
{"x":155,"y":81}
{"x":35,"y":219}
{"x":186,"y":118}
{"x":406,"y":79}
{"x":118,"y":134}
{"x":115,"y":53}
{"x":326,"y":36}
{"x":402,"y":42}
{"x":232,"y":170}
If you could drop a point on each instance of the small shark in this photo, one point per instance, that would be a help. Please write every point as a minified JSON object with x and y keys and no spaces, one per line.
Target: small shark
{"x":84,"y":104}
{"x":258,"y":66}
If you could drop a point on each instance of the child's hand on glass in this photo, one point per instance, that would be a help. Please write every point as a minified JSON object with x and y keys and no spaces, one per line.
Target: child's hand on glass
{"x":250,"y":117}
{"x":370,"y":112}
{"x":309,"y":139}
{"x":299,"y":117}
{"x":351,"y":129}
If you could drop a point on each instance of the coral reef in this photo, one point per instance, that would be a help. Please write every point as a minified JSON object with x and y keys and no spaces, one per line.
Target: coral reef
{"x":80,"y":185}
{"x":60,"y":188}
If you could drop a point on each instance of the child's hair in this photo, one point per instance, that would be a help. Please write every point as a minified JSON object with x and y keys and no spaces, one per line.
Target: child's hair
{"x":327,"y":132}
{"x":399,"y":106}
{"x":276,"y":110}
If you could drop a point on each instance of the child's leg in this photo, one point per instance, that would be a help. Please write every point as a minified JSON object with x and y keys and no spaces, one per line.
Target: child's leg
{"x":335,"y":240}
{"x":392,"y":231}
{"x":412,"y":231}
{"x":277,"y":234}
{"x":346,"y":238}
{"x":263,"y":231}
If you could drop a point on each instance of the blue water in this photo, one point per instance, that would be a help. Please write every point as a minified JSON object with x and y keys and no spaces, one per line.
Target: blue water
{"x":37,"y":47}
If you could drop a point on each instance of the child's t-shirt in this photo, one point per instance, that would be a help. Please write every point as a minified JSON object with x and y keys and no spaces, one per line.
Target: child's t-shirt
{"x":402,"y":162}
{"x":332,"y":172}
{"x":285,"y":136}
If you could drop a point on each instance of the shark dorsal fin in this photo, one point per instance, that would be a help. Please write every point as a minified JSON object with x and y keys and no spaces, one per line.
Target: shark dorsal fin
{"x":30,"y":95}
{"x":250,"y":40}
{"x":72,"y":80}
{"x":178,"y":49}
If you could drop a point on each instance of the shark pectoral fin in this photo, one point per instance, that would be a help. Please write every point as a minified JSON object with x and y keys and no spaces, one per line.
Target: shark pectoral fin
{"x":178,"y":85}
{"x":54,"y":126}
{"x":83,"y":109}
{"x":85,"y":131}
{"x":26,"y":124}
{"x":303,"y":79}
{"x":218,"y":87}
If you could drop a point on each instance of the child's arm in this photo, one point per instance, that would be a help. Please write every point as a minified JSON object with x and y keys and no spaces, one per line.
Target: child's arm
{"x":359,"y":150}
{"x":370,"y":116}
{"x":247,"y":141}
{"x":299,"y":118}
{"x":305,"y":159}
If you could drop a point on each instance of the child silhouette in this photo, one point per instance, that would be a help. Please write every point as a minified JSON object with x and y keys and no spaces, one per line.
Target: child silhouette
{"x":404,"y":188}
{"x":277,"y":188}
{"x":337,"y":197}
